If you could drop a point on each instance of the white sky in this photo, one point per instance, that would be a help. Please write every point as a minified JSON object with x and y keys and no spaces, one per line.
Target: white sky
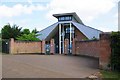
{"x":99,"y":14}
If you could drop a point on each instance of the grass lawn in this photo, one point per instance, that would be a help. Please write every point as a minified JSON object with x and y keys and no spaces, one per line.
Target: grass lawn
{"x":110,"y":74}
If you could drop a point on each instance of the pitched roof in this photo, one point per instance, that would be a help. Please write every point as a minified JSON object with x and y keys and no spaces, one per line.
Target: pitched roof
{"x":89,"y":32}
{"x":45,"y":32}
{"x":86,"y":30}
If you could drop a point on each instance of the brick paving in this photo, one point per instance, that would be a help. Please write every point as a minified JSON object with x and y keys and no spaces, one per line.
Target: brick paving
{"x":47,"y":66}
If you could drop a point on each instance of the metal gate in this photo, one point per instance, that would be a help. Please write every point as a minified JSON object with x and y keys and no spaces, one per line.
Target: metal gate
{"x":5,"y":46}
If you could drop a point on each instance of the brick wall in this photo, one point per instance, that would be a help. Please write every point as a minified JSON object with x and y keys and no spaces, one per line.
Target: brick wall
{"x":105,"y":50}
{"x":17,"y":47}
{"x":79,"y":35}
{"x":66,"y":45}
{"x":52,"y":46}
{"x":100,"y":49}
{"x":88,"y":48}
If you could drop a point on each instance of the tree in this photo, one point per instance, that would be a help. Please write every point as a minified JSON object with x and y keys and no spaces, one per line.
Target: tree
{"x":10,"y":32}
{"x":28,"y":37}
{"x":26,"y":31}
{"x":34,"y":31}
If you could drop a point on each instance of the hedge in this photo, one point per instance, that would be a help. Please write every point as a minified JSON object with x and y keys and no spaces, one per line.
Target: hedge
{"x":115,"y":55}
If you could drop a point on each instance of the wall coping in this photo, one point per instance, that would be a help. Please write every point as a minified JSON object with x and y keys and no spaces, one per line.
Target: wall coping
{"x":88,"y":41}
{"x":26,"y":41}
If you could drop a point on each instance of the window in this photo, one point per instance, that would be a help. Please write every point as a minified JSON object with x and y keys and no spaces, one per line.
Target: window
{"x":62,"y":18}
{"x":65,"y":18}
{"x":68,"y":30}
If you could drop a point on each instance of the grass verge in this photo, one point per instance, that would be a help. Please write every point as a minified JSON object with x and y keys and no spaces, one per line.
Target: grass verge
{"x":110,"y":74}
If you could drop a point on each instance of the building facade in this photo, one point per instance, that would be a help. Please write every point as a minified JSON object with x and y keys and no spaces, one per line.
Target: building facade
{"x":68,"y":27}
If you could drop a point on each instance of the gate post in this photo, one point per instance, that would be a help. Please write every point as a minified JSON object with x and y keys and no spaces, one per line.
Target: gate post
{"x":11,"y":47}
{"x":43,"y":47}
{"x":66,"y":46}
{"x":52,"y":46}
{"x":73,"y":46}
{"x":105,"y":50}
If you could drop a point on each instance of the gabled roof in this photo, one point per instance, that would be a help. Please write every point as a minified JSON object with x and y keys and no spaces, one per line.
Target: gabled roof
{"x":69,"y":14}
{"x":45,"y":32}
{"x":86,"y":30}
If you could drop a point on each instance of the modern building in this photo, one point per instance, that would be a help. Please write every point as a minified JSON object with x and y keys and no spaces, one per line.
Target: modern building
{"x":69,"y":26}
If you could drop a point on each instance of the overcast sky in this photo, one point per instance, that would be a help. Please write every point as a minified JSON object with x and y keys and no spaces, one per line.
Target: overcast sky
{"x":99,"y":14}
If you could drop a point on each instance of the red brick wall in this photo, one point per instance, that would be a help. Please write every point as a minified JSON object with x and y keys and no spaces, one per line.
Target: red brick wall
{"x":43,"y":46}
{"x":17,"y":47}
{"x":66,"y":45}
{"x":79,"y":35}
{"x":52,"y":46}
{"x":100,"y":49}
{"x":105,"y":50}
{"x":88,"y":48}
{"x":25,"y":47}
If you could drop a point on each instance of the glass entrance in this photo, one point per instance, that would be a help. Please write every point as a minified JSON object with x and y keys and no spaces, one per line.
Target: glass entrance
{"x":66,"y":31}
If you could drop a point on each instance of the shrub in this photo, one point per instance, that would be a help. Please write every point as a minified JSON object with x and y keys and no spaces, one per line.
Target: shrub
{"x":115,"y":55}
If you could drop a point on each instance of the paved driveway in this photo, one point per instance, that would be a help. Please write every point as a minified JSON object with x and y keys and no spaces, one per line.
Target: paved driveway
{"x":47,"y":66}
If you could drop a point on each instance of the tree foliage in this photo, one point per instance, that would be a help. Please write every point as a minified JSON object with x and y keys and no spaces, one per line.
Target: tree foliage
{"x":9,"y":31}
{"x":26,"y":31}
{"x":115,"y":56}
{"x":34,"y":31}
{"x":28,"y":37}
{"x":17,"y":33}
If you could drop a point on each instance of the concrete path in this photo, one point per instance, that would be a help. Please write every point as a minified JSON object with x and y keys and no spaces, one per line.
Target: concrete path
{"x":47,"y":66}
